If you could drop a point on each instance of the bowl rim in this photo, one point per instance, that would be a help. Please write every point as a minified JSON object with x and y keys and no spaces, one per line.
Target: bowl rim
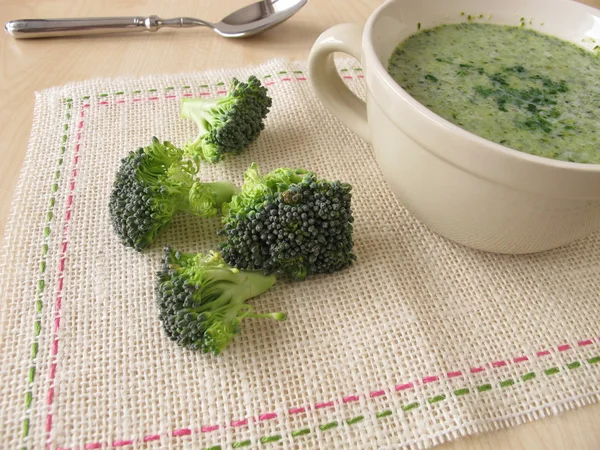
{"x":449,"y":127}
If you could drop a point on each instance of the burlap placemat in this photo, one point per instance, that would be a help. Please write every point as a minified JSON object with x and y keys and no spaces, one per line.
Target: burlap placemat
{"x":421,"y":341}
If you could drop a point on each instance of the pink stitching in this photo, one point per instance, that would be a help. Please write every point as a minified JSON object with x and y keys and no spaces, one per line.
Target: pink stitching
{"x":152,"y":437}
{"x":267,"y":416}
{"x":182,"y":432}
{"x":403,"y":387}
{"x":93,"y":446}
{"x":61,"y":268}
{"x":499,"y":364}
{"x":209,"y":428}
{"x":543,"y":353}
{"x":351,"y":398}
{"x":520,"y":359}
{"x":324,"y":405}
{"x":431,"y":379}
{"x":297,"y":410}
{"x":454,"y":374}
{"x":376,"y":394}
{"x":586,"y":342}
{"x":476,"y":369}
{"x":239,"y":423}
{"x":122,"y":443}
{"x":562,"y":348}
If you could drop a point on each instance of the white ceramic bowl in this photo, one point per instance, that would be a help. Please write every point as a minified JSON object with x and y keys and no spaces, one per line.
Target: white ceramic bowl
{"x":464,"y":187}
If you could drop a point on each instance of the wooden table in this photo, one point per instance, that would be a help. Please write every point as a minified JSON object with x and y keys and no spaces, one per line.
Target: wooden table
{"x":27,"y":66}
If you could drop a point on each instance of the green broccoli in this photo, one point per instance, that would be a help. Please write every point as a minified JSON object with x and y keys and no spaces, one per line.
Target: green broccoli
{"x":229,"y":124}
{"x":154,"y":183}
{"x":202,"y":300}
{"x":288,"y":222}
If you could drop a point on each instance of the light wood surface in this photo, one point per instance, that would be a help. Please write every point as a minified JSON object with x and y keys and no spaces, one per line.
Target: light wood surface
{"x":27,"y":66}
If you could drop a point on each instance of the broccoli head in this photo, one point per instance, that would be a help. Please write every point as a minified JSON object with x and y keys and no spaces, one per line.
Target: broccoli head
{"x":154,"y":183}
{"x":202,"y":300}
{"x":229,"y":124}
{"x":288,"y":222}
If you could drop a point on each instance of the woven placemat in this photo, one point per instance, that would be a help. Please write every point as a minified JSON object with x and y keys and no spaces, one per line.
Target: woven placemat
{"x":419,"y":342}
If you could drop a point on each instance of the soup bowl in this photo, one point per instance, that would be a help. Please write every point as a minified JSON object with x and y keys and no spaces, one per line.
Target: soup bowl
{"x":463,"y":187}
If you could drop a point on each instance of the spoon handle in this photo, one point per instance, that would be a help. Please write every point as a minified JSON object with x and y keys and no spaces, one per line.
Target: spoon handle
{"x":44,"y":28}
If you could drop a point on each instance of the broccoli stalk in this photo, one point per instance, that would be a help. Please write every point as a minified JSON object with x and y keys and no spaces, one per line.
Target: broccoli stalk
{"x":227,"y":125}
{"x":152,"y":185}
{"x":288,"y":222}
{"x":202,"y":300}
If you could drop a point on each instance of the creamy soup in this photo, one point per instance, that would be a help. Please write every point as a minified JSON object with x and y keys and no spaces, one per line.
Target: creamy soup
{"x":514,"y":86}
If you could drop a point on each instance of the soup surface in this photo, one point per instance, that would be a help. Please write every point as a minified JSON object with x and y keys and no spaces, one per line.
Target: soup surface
{"x":514,"y":86}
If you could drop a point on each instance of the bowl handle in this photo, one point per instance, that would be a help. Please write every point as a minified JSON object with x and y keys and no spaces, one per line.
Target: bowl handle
{"x":337,"y":98}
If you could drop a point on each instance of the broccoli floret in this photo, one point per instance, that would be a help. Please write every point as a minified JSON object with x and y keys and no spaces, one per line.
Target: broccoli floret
{"x":154,"y":183}
{"x":202,"y":300}
{"x":229,"y":124}
{"x":288,"y":222}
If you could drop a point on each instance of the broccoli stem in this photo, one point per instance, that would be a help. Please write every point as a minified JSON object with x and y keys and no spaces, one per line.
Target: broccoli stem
{"x":223,"y":190}
{"x":203,"y":199}
{"x":202,"y":112}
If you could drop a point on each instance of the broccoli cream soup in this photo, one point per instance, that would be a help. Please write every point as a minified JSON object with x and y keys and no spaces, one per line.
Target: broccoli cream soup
{"x":514,"y":86}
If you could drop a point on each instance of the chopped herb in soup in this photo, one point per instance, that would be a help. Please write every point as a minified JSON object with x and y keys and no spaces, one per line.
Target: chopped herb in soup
{"x":514,"y":86}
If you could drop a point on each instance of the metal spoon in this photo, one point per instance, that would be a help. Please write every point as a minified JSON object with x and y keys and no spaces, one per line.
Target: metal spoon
{"x":249,"y":20}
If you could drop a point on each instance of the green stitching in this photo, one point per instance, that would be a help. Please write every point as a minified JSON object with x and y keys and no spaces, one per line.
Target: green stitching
{"x":528,"y":376}
{"x":484,"y":387}
{"x":463,"y":391}
{"x":552,"y":371}
{"x":28,"y":398}
{"x":506,"y":383}
{"x":119,"y":93}
{"x":594,"y":360}
{"x":328,"y":426}
{"x":382,"y":414}
{"x":282,"y":72}
{"x":37,"y":325}
{"x":214,"y":447}
{"x":152,"y":90}
{"x":437,"y":398}
{"x":297,"y":71}
{"x":31,"y":375}
{"x":186,"y":87}
{"x":574,"y":365}
{"x":267,"y":76}
{"x":355,"y":420}
{"x":300,"y":432}
{"x":267,"y":439}
{"x":241,"y":444}
{"x":410,"y":406}
{"x":102,"y":95}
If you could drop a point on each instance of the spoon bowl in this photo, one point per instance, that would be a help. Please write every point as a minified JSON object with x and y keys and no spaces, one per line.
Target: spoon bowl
{"x":257,"y":17}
